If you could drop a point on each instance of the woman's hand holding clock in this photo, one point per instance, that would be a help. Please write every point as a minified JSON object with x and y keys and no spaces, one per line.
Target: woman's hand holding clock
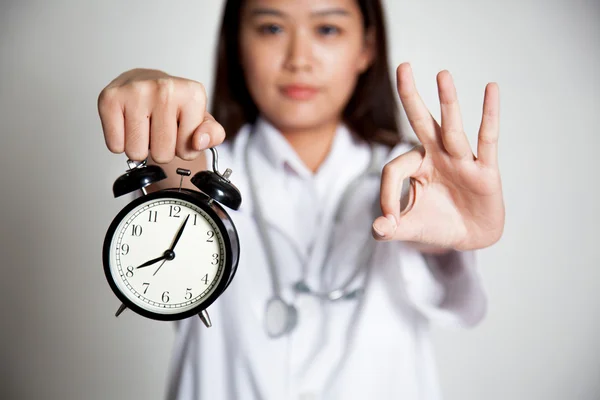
{"x":147,"y":112}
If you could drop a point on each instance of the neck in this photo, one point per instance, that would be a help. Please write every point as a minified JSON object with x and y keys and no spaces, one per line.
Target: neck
{"x":313,"y":144}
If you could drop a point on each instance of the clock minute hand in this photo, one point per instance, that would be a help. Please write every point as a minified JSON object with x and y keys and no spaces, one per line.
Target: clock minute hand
{"x":179,"y":233}
{"x":170,"y":254}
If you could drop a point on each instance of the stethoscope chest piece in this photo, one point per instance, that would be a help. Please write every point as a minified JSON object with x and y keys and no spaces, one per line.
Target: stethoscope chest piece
{"x":280,"y":317}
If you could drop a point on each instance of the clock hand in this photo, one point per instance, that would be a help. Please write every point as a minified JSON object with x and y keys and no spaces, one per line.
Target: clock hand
{"x":170,"y":254}
{"x":159,"y":267}
{"x":179,"y":233}
{"x":147,"y":263}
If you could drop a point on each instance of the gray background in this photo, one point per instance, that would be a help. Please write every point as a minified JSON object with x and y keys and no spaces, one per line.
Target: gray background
{"x":58,"y":336}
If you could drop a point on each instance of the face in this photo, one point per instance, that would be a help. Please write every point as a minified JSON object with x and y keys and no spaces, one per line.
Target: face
{"x":302,"y":58}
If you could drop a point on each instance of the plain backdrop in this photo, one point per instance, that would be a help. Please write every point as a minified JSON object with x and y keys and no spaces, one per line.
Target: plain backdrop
{"x":59,"y":338}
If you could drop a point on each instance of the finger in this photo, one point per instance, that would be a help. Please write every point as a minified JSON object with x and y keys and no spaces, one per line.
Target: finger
{"x":418,"y":115}
{"x":487,"y":143}
{"x":392,"y":177}
{"x":112,"y":119}
{"x":209,"y":134}
{"x":453,"y":135}
{"x":163,"y":123}
{"x":137,"y":126}
{"x":190,"y":117}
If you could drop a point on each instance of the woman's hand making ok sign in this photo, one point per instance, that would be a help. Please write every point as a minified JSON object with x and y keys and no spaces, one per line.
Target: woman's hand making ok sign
{"x":455,"y":197}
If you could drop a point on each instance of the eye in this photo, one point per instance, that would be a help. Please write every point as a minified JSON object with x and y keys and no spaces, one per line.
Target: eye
{"x":328,"y":30}
{"x":270,"y":29}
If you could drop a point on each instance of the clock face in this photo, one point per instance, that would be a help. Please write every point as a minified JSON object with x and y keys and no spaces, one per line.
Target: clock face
{"x":167,"y":255}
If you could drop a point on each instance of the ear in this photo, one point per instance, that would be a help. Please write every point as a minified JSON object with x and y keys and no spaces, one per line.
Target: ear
{"x":369,"y":51}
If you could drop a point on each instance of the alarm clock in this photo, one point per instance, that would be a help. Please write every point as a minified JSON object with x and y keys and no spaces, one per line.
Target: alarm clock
{"x":170,"y":254}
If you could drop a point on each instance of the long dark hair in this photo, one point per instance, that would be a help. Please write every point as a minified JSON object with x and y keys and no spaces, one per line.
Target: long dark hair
{"x":371,"y":113}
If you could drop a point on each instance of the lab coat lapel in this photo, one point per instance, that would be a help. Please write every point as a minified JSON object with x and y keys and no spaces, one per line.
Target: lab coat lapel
{"x":278,"y":212}
{"x":276,"y":208}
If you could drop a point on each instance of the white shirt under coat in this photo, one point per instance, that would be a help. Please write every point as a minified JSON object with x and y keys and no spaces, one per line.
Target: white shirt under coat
{"x":374,"y":347}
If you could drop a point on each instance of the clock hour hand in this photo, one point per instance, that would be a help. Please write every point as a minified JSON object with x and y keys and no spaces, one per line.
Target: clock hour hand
{"x":147,"y":263}
{"x":179,"y":233}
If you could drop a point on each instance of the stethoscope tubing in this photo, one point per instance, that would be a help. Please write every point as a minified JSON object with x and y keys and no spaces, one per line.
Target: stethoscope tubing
{"x":334,"y":294}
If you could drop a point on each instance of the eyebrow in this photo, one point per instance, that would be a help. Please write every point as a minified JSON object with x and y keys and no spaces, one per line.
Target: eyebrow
{"x":320,"y":13}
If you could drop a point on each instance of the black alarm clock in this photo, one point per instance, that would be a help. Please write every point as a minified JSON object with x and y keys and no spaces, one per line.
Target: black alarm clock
{"x":170,"y":254}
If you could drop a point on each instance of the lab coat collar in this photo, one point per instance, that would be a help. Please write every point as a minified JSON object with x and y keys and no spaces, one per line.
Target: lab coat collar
{"x":278,"y":151}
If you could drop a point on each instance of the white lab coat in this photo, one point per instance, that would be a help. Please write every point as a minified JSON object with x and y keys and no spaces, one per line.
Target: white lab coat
{"x":373,"y":347}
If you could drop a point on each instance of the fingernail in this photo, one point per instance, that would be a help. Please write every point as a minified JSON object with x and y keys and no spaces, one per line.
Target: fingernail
{"x":392,"y":219}
{"x":203,"y":141}
{"x":378,"y":232}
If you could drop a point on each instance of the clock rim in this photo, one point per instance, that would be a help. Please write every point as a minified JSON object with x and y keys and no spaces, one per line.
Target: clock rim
{"x":198,"y":199}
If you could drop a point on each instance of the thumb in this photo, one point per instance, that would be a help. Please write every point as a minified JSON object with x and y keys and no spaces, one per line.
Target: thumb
{"x":208,"y":134}
{"x":393,"y":175}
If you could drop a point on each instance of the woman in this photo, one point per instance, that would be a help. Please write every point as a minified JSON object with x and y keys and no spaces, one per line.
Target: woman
{"x":303,"y":93}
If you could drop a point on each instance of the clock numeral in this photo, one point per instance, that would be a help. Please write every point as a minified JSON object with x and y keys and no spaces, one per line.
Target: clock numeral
{"x":124,"y":249}
{"x":152,"y":215}
{"x":195,"y":219}
{"x":146,"y":288}
{"x":165,"y":297}
{"x":136,"y":230}
{"x":129,"y":272}
{"x":215,"y":260}
{"x":210,"y":234}
{"x":188,"y":294}
{"x":205,"y":279}
{"x":174,"y":211}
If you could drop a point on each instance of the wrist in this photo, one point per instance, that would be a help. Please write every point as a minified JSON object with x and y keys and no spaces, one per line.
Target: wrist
{"x":429,"y":249}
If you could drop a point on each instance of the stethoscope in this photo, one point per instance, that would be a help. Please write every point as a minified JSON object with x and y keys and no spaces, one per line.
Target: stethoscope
{"x":281,"y":317}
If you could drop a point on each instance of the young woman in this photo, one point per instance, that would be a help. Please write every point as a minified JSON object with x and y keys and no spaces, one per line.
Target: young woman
{"x":337,"y":283}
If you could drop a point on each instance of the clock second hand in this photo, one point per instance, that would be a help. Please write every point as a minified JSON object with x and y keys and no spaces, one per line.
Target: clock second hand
{"x":161,"y":264}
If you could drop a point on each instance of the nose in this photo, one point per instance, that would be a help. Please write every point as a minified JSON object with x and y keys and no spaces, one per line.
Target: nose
{"x":299,"y":55}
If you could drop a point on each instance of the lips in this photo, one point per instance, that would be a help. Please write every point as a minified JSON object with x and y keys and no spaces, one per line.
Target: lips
{"x":299,"y":92}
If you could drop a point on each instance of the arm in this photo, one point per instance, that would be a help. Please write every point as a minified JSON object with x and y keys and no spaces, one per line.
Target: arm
{"x":445,"y":289}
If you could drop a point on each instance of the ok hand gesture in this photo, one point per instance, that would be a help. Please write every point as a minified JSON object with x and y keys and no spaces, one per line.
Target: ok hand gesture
{"x":455,"y":197}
